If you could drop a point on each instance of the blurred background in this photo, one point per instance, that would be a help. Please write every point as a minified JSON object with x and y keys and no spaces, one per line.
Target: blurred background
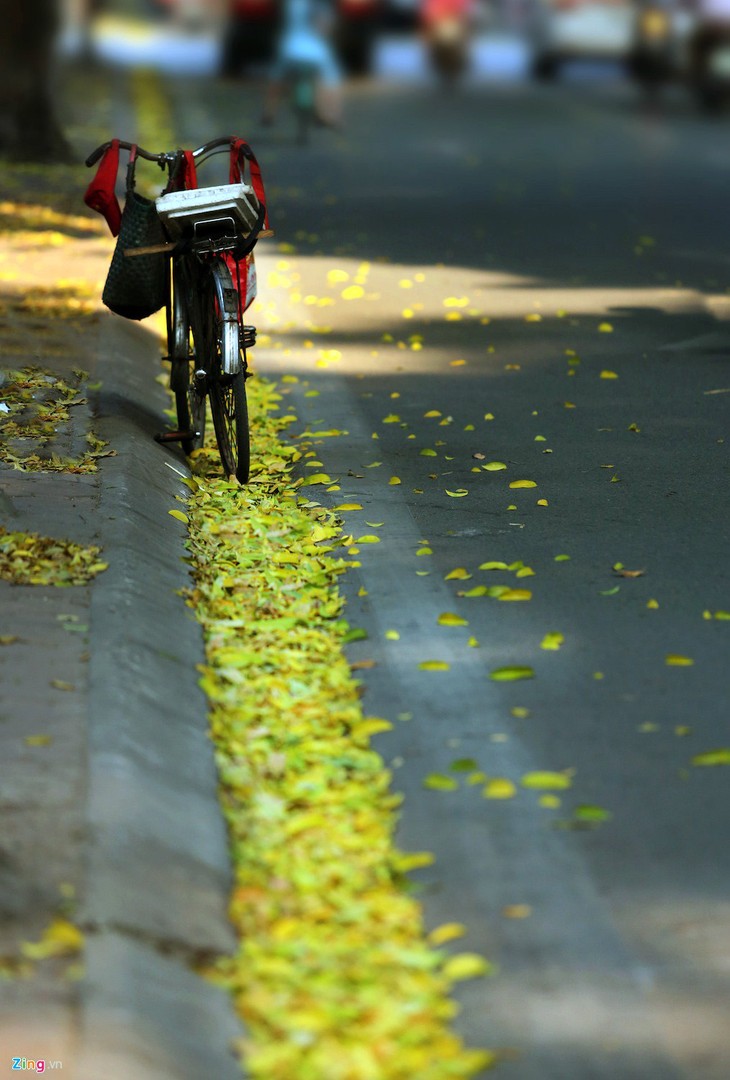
{"x":417,"y":41}
{"x":658,"y":48}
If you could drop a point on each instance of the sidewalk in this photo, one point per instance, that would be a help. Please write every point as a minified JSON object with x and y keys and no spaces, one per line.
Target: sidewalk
{"x":113,"y":861}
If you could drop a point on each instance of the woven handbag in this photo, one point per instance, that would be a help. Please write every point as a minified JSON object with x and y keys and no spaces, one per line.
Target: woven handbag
{"x":137,"y":287}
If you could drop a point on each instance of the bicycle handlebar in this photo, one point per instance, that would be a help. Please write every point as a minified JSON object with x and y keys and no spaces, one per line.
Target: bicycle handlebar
{"x":164,"y":158}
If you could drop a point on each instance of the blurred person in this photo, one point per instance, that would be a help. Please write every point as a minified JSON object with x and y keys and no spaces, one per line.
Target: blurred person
{"x":356,"y":25}
{"x":305,"y":40}
{"x":652,"y":60}
{"x":709,"y":52}
{"x":446,"y":26}
{"x":251,"y":30}
{"x":713,"y":21}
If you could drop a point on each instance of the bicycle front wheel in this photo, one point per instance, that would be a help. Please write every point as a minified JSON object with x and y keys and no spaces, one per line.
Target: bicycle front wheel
{"x":218,"y":348}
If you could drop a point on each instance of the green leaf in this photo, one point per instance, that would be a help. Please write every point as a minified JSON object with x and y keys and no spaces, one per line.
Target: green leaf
{"x":464,"y":764}
{"x":587,"y":812}
{"x":713,"y":757}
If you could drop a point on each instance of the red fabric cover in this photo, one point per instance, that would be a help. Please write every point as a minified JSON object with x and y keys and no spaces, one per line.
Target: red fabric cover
{"x":100,"y":194}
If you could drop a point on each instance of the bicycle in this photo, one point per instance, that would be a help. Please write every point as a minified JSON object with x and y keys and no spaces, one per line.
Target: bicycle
{"x":210,"y":233}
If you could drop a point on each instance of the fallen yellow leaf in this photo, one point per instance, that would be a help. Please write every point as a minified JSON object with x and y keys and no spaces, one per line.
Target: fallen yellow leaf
{"x":499,"y":788}
{"x":440,"y":782}
{"x":446,"y":932}
{"x":515,"y":595}
{"x":546,"y":781}
{"x":517,"y":911}
{"x":465,"y":966}
{"x":61,"y":938}
{"x":552,"y":641}
{"x":449,"y":618}
{"x":352,"y":292}
{"x":511,"y":674}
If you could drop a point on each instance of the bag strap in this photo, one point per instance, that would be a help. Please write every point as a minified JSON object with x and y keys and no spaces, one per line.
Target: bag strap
{"x":131,"y":168}
{"x":240,"y":153}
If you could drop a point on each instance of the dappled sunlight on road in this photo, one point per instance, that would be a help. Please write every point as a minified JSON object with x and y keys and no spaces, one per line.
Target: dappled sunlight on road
{"x":319,"y":311}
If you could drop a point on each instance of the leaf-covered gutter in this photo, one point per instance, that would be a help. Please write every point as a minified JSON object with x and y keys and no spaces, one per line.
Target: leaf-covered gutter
{"x":334,"y":977}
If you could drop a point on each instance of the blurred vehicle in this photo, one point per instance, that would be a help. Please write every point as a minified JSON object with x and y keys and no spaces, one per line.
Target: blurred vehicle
{"x":567,"y":30}
{"x":446,"y":29}
{"x":356,"y":25}
{"x":709,"y":54}
{"x":250,"y":35}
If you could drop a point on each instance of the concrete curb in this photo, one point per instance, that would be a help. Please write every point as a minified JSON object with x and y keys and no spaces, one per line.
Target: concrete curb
{"x":158,"y":871}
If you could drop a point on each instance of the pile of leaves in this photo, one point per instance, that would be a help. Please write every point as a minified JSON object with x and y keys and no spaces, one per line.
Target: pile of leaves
{"x":334,"y":976}
{"x":30,"y":559}
{"x":34,"y":410}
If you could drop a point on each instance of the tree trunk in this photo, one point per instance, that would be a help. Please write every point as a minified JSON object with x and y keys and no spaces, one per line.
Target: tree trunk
{"x":29,"y":130}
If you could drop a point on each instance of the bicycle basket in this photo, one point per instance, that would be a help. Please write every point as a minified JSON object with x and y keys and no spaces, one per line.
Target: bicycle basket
{"x":136,"y":287}
{"x":178,"y":210}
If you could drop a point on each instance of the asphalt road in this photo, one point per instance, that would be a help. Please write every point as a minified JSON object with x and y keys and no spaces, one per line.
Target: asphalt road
{"x":560,"y":263}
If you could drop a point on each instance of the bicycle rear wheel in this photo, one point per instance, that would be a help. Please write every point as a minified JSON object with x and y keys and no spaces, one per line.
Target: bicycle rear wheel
{"x":218,"y":348}
{"x":189,"y":392}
